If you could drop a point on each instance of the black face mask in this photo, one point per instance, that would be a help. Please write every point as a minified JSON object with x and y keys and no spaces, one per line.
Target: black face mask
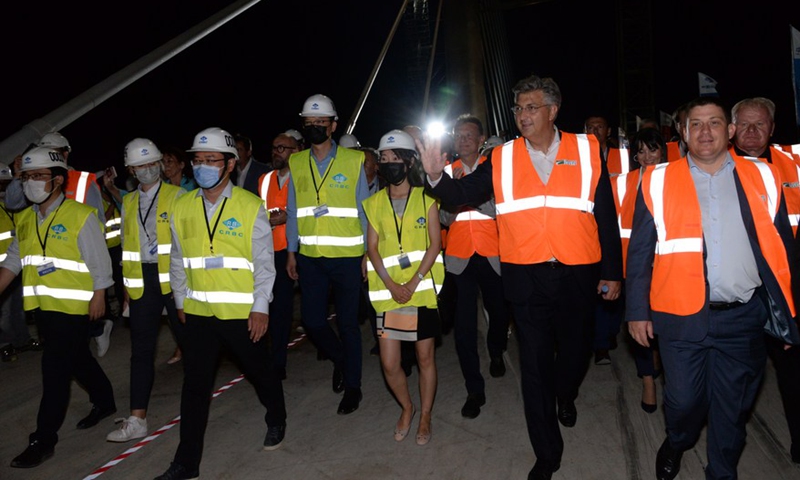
{"x":315,"y":134}
{"x":393,"y":173}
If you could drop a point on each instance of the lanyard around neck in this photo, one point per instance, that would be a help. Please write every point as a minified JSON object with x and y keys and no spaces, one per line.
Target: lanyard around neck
{"x":216,"y":222}
{"x":43,"y":244}
{"x":399,"y":226}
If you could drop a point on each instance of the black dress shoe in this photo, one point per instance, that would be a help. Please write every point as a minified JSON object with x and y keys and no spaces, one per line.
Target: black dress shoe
{"x":274,"y":437}
{"x":543,"y":470}
{"x":472,"y":407}
{"x":567,"y":414}
{"x":33,"y":456}
{"x":337,"y":382}
{"x":350,"y":400}
{"x":178,"y":472}
{"x":497,"y":367}
{"x":95,"y":416}
{"x":668,"y":461}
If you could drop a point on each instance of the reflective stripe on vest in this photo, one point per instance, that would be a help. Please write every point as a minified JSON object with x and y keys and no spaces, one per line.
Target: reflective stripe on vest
{"x":621,"y":182}
{"x":618,"y":161}
{"x":81,"y":187}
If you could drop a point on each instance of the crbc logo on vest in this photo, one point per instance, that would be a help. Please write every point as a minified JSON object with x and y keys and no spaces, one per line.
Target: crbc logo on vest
{"x":232,"y":225}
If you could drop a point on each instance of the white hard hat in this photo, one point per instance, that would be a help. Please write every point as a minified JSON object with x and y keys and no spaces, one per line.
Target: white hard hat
{"x":141,"y":151}
{"x":397,"y":139}
{"x":294,"y":134}
{"x":319,"y":106}
{"x":42,"y":157}
{"x":349,"y":141}
{"x":5,"y":172}
{"x":54,"y":140}
{"x":214,"y":140}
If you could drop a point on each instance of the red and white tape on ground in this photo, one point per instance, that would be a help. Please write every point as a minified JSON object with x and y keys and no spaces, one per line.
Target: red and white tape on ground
{"x":127,"y":453}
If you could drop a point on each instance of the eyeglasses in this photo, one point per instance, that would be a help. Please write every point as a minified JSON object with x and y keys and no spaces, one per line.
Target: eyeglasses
{"x":529,"y":109}
{"x":282,"y":148}
{"x":34,"y":176}
{"x":206,"y":161}
{"x":317,"y":123}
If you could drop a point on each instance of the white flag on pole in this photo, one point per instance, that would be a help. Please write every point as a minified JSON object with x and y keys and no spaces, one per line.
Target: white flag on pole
{"x":708,"y":86}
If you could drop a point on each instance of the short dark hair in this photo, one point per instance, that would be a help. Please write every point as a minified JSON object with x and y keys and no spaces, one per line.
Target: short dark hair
{"x":703,"y":101}
{"x":238,"y":137}
{"x":650,"y":138}
{"x":469,"y":118}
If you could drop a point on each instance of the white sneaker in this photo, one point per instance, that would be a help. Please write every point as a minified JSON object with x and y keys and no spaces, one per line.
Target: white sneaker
{"x":104,"y":340}
{"x":132,"y":427}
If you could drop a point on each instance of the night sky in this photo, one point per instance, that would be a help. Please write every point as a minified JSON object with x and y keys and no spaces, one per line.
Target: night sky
{"x":253,"y":74}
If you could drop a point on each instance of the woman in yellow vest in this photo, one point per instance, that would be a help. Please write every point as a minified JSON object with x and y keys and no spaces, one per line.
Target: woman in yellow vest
{"x":145,"y":247}
{"x":405,"y":272}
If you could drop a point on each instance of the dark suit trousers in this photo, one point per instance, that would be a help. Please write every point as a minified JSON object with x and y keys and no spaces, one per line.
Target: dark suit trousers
{"x":281,"y":309}
{"x":203,"y":340}
{"x":317,"y":275}
{"x":478,"y":275}
{"x":554,"y":329}
{"x":66,"y":355}
{"x":716,"y":378}
{"x":787,"y":371}
{"x":145,"y":323}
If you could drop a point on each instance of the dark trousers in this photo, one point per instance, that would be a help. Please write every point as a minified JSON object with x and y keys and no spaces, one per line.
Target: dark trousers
{"x":607,"y":320}
{"x":116,"y":274}
{"x":643,"y":358}
{"x":66,"y":355}
{"x":787,"y":372}
{"x":447,"y":302}
{"x":479,"y":275}
{"x":280,"y":310}
{"x":554,"y":331}
{"x":717,"y":379}
{"x":317,"y":275}
{"x":204,"y":338}
{"x":13,"y":327}
{"x":145,"y":321}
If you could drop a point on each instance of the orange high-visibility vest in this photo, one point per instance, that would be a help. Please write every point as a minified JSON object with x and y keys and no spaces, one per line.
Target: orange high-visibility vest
{"x":790,"y":183}
{"x":537,"y":222}
{"x":678,"y":282}
{"x":78,"y":184}
{"x":275,"y":197}
{"x":472,"y":231}
{"x":624,"y":188}
{"x":674,"y":151}
{"x":618,"y":161}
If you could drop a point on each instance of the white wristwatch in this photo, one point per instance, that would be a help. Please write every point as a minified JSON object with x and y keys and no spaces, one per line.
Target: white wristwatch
{"x":420,"y":276}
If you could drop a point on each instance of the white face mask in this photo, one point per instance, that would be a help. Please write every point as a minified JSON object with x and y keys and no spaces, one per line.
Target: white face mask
{"x":34,"y":190}
{"x":149,"y":175}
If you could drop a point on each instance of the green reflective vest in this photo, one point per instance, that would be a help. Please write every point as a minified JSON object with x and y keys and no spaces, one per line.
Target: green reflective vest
{"x":131,"y":251}
{"x":414,"y":231}
{"x":337,"y":233}
{"x":219,"y":284}
{"x":68,"y":287}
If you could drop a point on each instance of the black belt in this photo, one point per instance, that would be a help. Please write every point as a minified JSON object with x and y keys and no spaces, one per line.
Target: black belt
{"x":553,"y":264}
{"x":724,"y":305}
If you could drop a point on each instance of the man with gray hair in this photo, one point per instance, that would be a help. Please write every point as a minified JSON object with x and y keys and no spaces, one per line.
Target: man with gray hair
{"x":553,"y":270}
{"x":755,"y":122}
